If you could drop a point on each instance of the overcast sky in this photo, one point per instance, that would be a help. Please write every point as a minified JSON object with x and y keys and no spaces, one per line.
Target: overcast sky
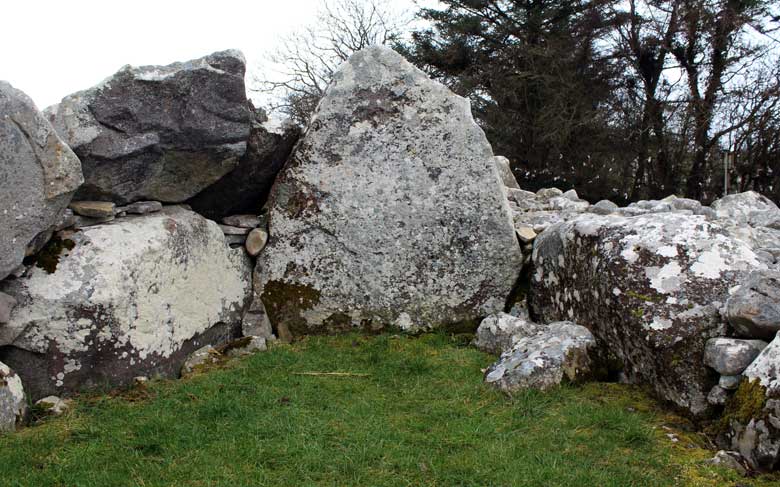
{"x":51,"y":48}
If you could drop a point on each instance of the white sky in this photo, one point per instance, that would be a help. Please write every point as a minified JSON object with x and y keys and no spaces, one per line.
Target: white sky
{"x":51,"y":48}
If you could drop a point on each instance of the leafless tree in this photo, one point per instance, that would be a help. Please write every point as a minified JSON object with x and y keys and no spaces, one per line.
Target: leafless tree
{"x":306,"y":60}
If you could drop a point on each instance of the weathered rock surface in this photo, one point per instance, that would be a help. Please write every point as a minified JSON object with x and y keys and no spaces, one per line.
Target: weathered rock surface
{"x":505,"y":171}
{"x":754,"y":308}
{"x":731,"y":356}
{"x":7,"y":304}
{"x":364,"y":228}
{"x":160,"y":133}
{"x":38,"y":176}
{"x":133,"y":297}
{"x":559,"y":351}
{"x":748,"y":208}
{"x":246,"y":188}
{"x":649,"y":288}
{"x":498,"y":332}
{"x":13,"y":404}
{"x":753,"y":414}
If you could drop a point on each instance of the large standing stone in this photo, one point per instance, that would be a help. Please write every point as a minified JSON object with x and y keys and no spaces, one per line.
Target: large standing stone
{"x":390,"y":211}
{"x":648,"y":287}
{"x":132,"y":297}
{"x":13,"y":405}
{"x":753,"y":414}
{"x":38,"y":175}
{"x":754,"y":308}
{"x":160,"y":133}
{"x":246,"y":188}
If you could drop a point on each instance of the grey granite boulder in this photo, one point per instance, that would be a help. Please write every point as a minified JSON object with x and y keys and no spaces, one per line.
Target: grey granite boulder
{"x":505,"y":170}
{"x":13,"y":402}
{"x":557,"y":352}
{"x":498,"y":332}
{"x":731,"y":356}
{"x":754,"y":308}
{"x":748,"y":208}
{"x":128,"y":298}
{"x":161,"y":133}
{"x":38,"y":176}
{"x":245,"y":189}
{"x":649,"y":287}
{"x":365,"y":229}
{"x":753,"y":414}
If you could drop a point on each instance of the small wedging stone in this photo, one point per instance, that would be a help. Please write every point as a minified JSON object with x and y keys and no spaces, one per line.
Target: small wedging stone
{"x":729,"y":459}
{"x":230,"y":230}
{"x":38,"y":176}
{"x":93,"y":209}
{"x":160,"y":133}
{"x":731,"y":356}
{"x":256,"y":241}
{"x":7,"y":304}
{"x":133,"y":297}
{"x":358,"y":239}
{"x":754,"y":308}
{"x":525,"y":233}
{"x":242,"y":221}
{"x":729,"y":382}
{"x":498,"y":332}
{"x":141,"y":207}
{"x":53,"y":405}
{"x":85,"y":221}
{"x":505,"y":171}
{"x":717,"y":396}
{"x":559,"y":351}
{"x":13,"y":402}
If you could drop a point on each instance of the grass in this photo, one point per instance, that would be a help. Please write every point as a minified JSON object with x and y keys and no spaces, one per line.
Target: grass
{"x":422,"y":416}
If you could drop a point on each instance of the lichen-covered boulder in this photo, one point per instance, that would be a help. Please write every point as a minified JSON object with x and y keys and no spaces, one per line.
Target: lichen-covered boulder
{"x":748,"y":208}
{"x":558,"y":351}
{"x":38,"y":176}
{"x":390,"y":211}
{"x":245,"y":189}
{"x":731,"y":356}
{"x":752,"y":416}
{"x":161,"y":133}
{"x":649,"y":288}
{"x":129,"y":298}
{"x":753,"y":309}
{"x":498,"y":332}
{"x":13,"y":403}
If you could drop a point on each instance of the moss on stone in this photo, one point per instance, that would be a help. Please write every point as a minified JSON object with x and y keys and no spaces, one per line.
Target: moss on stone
{"x":642,"y":297}
{"x":284,"y":302}
{"x":747,"y":403}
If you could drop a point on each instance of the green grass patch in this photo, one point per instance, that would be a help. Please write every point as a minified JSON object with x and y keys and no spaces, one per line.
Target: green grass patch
{"x":415,"y":413}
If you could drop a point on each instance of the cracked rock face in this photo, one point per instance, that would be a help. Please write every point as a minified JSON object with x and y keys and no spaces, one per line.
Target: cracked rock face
{"x":38,"y":176}
{"x":13,"y":405}
{"x":558,"y":351}
{"x":391,"y":210}
{"x":160,"y":133}
{"x":649,"y":287}
{"x":133,"y":297}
